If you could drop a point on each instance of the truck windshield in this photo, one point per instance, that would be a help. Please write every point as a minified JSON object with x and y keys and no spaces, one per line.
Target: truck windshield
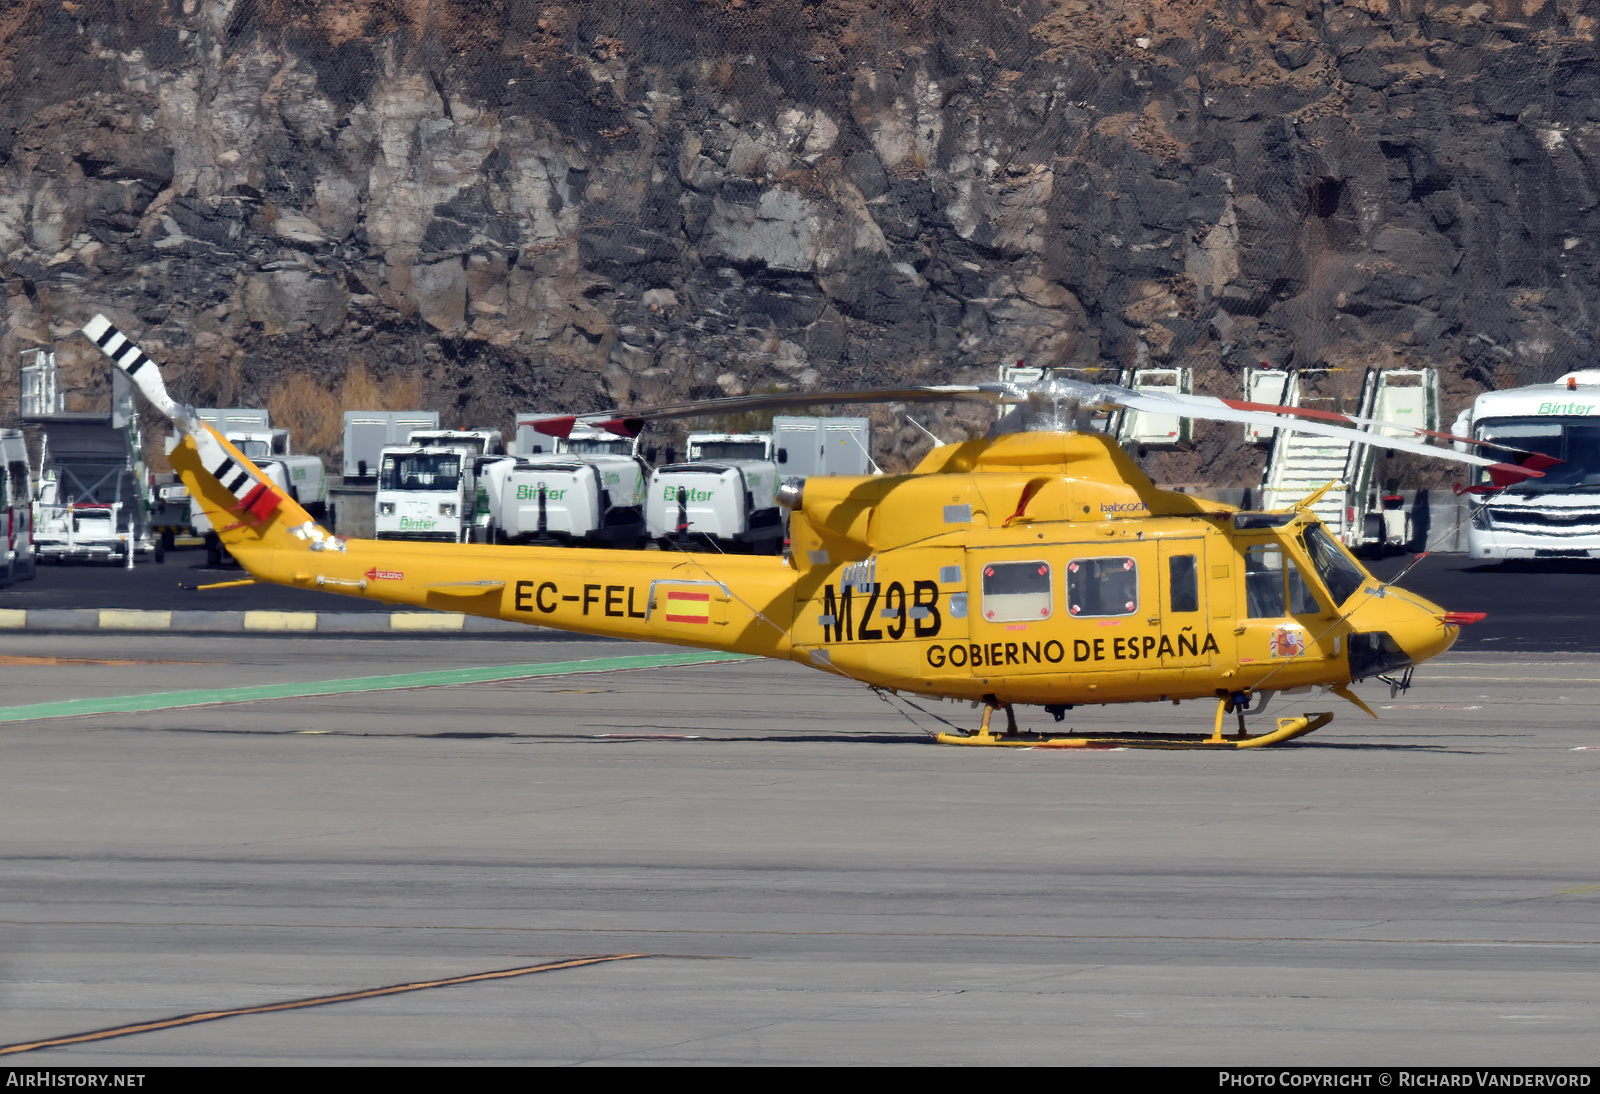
{"x":253,"y":449}
{"x":618,"y":447}
{"x":1573,"y":440}
{"x":420,"y":472}
{"x":730,"y":450}
{"x":462,"y":441}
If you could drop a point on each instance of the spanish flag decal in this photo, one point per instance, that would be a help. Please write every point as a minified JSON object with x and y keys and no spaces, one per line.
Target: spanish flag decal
{"x":687,"y":607}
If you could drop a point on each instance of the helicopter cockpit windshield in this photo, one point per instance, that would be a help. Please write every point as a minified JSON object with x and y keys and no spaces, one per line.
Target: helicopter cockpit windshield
{"x":1340,"y":573}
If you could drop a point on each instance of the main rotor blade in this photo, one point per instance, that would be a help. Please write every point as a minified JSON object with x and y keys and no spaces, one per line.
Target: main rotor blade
{"x":612,"y":419}
{"x":1354,"y":420}
{"x":1220,"y":410}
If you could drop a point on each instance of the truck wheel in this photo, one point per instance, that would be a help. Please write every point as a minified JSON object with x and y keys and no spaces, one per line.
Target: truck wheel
{"x":169,"y":539}
{"x":159,"y":551}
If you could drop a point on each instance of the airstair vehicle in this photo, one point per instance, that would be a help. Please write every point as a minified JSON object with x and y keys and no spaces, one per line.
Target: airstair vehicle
{"x":92,"y":477}
{"x":1141,"y":429}
{"x":41,"y":384}
{"x":1357,"y":508}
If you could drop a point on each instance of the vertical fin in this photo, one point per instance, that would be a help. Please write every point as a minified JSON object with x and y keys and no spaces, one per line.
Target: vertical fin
{"x":206,"y":454}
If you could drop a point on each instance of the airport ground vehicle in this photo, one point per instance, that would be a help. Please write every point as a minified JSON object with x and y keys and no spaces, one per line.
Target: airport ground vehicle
{"x":1363,"y":511}
{"x":1037,"y":566}
{"x":168,"y":508}
{"x":17,"y":563}
{"x":428,"y":488}
{"x":368,"y":432}
{"x":92,"y":479}
{"x":1558,"y":515}
{"x":572,"y":484}
{"x":724,"y":495}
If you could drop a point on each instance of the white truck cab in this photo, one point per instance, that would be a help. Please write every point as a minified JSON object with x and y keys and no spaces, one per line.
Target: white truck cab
{"x":583,"y":488}
{"x":723,"y":493}
{"x":428,"y":489}
{"x":1558,"y":514}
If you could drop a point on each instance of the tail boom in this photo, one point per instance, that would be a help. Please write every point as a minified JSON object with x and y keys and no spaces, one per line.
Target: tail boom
{"x":707,"y":601}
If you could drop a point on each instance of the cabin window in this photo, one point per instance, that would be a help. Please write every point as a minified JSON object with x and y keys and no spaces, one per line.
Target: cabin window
{"x":1183,"y":583}
{"x":1274,"y":585}
{"x":1014,"y":591}
{"x":1263,"y":582}
{"x":1301,"y":599}
{"x":1102,"y":586}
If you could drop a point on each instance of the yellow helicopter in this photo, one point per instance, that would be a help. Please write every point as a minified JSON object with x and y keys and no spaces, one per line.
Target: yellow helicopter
{"x":1037,"y":566}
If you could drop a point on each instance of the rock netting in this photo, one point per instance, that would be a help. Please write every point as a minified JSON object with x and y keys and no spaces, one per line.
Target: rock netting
{"x":512,"y":205}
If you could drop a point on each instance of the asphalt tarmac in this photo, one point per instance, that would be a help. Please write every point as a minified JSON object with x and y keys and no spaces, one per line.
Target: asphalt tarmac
{"x":777,"y":867}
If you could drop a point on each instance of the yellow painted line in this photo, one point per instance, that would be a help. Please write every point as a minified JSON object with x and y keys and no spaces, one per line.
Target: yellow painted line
{"x":1585,"y":889}
{"x":13,"y":618}
{"x":427,"y":621}
{"x":314,"y":1001}
{"x":280,"y":621}
{"x":126,"y":619}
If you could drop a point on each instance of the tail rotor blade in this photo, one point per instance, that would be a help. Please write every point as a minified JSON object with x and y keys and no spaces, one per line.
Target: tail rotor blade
{"x":132,"y":361}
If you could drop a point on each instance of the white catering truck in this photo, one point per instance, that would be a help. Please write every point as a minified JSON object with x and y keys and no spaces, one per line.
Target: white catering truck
{"x":368,"y":432}
{"x":724,"y":493}
{"x":428,"y":488}
{"x":585,"y":487}
{"x":1558,"y":514}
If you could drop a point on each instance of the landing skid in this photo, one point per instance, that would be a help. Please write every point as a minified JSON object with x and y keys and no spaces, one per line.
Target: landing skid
{"x":1288,"y":729}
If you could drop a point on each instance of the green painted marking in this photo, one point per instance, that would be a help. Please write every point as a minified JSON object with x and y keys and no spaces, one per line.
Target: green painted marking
{"x":167,"y":700}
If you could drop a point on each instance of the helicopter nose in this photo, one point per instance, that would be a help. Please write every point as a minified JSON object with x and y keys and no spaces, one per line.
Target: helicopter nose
{"x":1419,"y":632}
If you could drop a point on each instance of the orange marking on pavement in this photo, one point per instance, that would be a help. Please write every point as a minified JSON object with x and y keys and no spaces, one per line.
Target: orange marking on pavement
{"x":18,"y":659}
{"x":315,"y":1001}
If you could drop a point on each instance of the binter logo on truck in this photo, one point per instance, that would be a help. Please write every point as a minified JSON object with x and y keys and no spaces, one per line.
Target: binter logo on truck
{"x":1566,"y":408}
{"x":690,"y":494}
{"x":529,"y":493}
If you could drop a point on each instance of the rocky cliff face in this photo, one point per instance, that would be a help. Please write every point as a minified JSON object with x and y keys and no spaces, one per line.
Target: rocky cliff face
{"x":504,"y":205}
